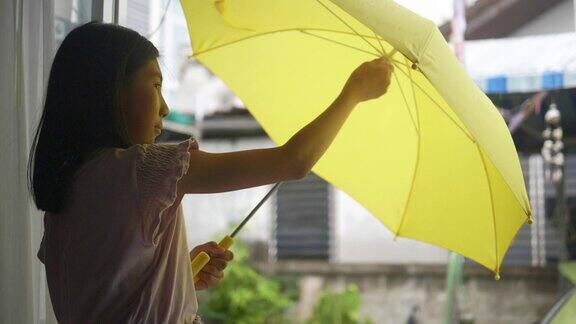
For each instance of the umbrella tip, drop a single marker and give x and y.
(497, 276)
(529, 221)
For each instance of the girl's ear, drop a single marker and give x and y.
(123, 101)
(123, 94)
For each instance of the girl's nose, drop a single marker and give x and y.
(165, 113)
(164, 108)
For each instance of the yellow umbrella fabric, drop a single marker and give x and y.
(432, 159)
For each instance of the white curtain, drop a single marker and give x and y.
(26, 51)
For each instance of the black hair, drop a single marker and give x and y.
(82, 112)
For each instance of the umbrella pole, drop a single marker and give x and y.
(203, 258)
(453, 279)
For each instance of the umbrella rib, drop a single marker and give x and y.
(331, 40)
(497, 270)
(379, 42)
(405, 101)
(417, 163)
(305, 31)
(469, 137)
(293, 29)
(347, 25)
(442, 109)
(413, 95)
(397, 81)
(242, 39)
(414, 174)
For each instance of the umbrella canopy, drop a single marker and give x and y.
(432, 159)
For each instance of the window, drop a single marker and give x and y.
(303, 221)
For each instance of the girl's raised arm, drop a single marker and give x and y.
(220, 172)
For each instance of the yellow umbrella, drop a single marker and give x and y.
(432, 159)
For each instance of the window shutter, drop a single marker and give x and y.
(303, 211)
(521, 250)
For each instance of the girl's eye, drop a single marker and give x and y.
(158, 85)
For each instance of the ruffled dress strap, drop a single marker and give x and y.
(158, 169)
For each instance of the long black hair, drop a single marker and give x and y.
(82, 112)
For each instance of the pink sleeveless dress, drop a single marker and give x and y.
(118, 253)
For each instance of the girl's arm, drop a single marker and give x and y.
(219, 172)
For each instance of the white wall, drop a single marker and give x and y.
(559, 19)
(209, 216)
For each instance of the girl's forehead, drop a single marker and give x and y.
(152, 69)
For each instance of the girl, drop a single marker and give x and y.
(114, 243)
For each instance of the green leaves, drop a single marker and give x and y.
(244, 295)
(338, 308)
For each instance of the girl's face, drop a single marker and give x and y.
(143, 105)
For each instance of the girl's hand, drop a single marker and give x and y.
(213, 271)
(368, 81)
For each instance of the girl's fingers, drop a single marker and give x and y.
(209, 279)
(200, 285)
(214, 251)
(222, 254)
(212, 281)
(212, 270)
(220, 264)
(208, 247)
(213, 248)
(206, 281)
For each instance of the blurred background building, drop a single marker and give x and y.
(522, 53)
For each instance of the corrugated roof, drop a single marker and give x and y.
(499, 18)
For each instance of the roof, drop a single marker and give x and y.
(498, 18)
(523, 64)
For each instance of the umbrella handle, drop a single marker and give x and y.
(203, 258)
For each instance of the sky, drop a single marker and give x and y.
(438, 11)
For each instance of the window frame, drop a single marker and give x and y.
(105, 10)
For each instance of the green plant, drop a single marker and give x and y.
(338, 308)
(244, 295)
